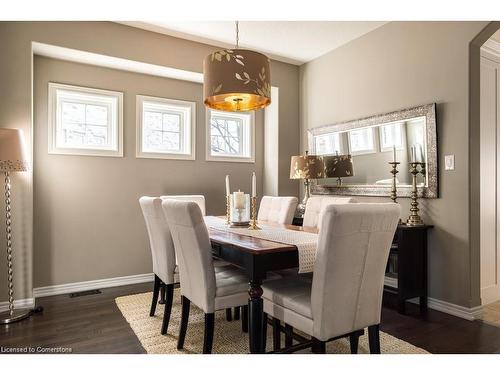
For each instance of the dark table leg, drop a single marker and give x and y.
(256, 312)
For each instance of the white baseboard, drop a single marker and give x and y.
(433, 303)
(27, 303)
(92, 284)
(469, 313)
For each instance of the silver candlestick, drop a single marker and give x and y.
(414, 219)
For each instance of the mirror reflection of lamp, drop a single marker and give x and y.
(339, 166)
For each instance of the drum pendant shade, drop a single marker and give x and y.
(236, 80)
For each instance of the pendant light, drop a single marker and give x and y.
(236, 79)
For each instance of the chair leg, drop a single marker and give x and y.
(156, 291)
(264, 331)
(186, 303)
(354, 341)
(237, 313)
(276, 334)
(244, 319)
(162, 294)
(318, 346)
(169, 297)
(374, 339)
(208, 337)
(229, 315)
(288, 335)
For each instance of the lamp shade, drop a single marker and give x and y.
(338, 166)
(236, 80)
(13, 155)
(307, 166)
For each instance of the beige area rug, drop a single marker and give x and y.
(228, 337)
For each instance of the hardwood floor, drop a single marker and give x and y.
(87, 324)
(93, 324)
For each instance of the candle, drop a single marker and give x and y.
(413, 154)
(394, 153)
(228, 190)
(239, 200)
(254, 185)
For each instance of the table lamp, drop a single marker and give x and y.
(306, 167)
(12, 159)
(338, 166)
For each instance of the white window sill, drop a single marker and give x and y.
(154, 155)
(230, 159)
(86, 152)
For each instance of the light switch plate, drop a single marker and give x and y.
(449, 162)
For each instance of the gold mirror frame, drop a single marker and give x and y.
(430, 190)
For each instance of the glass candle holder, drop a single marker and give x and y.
(240, 210)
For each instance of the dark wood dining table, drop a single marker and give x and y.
(257, 257)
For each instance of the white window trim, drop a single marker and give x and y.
(52, 122)
(363, 152)
(191, 109)
(225, 158)
(402, 136)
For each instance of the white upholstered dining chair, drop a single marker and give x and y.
(278, 210)
(163, 254)
(200, 284)
(345, 295)
(316, 204)
(198, 199)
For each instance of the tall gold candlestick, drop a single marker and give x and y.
(414, 219)
(228, 209)
(394, 171)
(253, 224)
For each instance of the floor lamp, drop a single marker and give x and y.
(12, 159)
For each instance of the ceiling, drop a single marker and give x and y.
(294, 42)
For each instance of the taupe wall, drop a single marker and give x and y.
(400, 65)
(88, 223)
(16, 111)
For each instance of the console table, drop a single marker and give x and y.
(406, 272)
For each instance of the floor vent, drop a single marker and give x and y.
(85, 293)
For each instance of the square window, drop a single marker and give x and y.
(327, 144)
(165, 128)
(361, 141)
(230, 136)
(391, 135)
(85, 121)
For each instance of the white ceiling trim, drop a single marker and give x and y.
(83, 57)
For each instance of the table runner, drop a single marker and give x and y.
(306, 242)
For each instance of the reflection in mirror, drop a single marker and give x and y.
(373, 147)
(371, 144)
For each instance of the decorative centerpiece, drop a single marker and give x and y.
(240, 209)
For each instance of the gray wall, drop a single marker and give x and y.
(400, 65)
(16, 111)
(88, 224)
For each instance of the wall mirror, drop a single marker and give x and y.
(372, 143)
